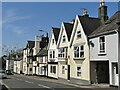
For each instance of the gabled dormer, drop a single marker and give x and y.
(65, 34)
(52, 48)
(54, 37)
(83, 27)
(64, 39)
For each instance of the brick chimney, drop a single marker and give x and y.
(102, 12)
(85, 13)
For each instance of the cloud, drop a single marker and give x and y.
(16, 29)
(10, 17)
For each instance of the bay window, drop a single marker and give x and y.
(62, 52)
(52, 54)
(79, 51)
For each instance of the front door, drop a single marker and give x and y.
(103, 72)
(114, 74)
(68, 72)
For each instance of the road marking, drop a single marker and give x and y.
(29, 82)
(44, 86)
(19, 79)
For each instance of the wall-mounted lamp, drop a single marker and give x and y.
(91, 43)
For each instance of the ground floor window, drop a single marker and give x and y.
(79, 71)
(63, 69)
(30, 69)
(52, 69)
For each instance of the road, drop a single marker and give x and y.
(18, 82)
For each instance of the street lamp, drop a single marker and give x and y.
(47, 45)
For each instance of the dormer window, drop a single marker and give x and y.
(64, 39)
(102, 44)
(52, 41)
(78, 34)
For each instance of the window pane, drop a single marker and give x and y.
(78, 34)
(53, 54)
(102, 44)
(63, 38)
(78, 71)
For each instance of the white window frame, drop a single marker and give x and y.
(79, 51)
(79, 72)
(62, 52)
(76, 51)
(52, 54)
(102, 49)
(53, 41)
(53, 69)
(64, 39)
(78, 34)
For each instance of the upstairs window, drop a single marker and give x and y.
(78, 34)
(64, 39)
(76, 51)
(79, 51)
(82, 51)
(102, 44)
(62, 52)
(53, 41)
(52, 54)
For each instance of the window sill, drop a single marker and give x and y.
(102, 54)
(61, 58)
(83, 58)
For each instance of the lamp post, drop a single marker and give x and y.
(47, 49)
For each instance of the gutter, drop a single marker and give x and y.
(103, 33)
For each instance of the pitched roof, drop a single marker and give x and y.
(42, 52)
(44, 42)
(68, 28)
(56, 32)
(89, 24)
(30, 44)
(109, 25)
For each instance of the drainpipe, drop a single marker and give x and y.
(118, 58)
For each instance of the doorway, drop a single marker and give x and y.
(102, 71)
(68, 72)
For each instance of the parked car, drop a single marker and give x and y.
(3, 74)
(8, 72)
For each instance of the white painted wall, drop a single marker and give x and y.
(83, 63)
(111, 51)
(53, 47)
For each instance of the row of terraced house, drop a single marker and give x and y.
(84, 50)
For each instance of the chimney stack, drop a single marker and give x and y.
(102, 12)
(85, 12)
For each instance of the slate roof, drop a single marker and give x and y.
(68, 28)
(89, 24)
(43, 43)
(43, 52)
(109, 25)
(56, 32)
(30, 44)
